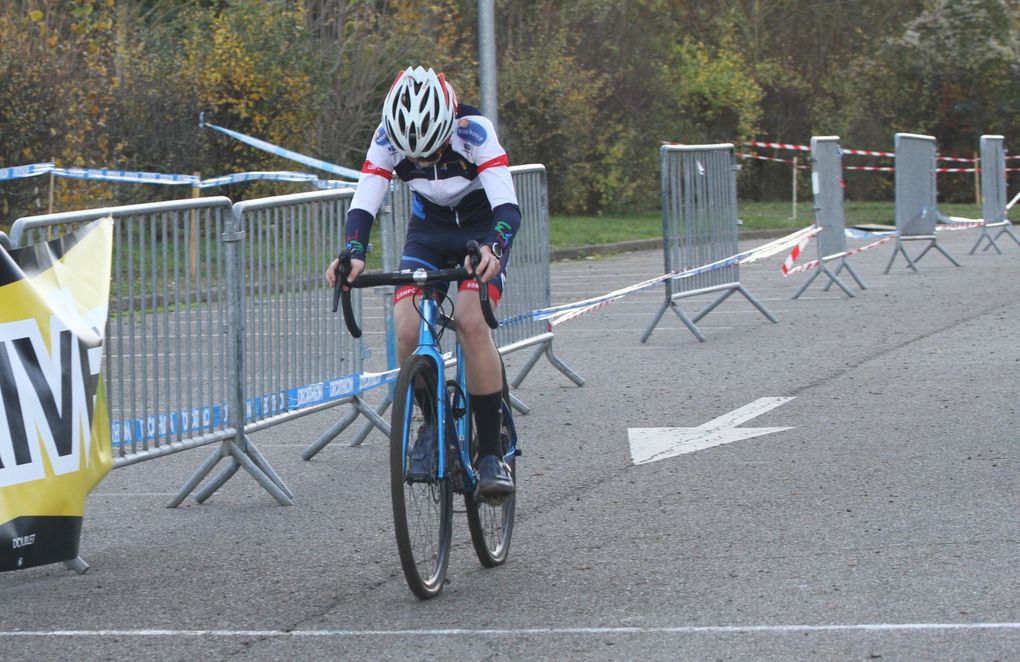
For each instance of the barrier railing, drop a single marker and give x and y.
(294, 359)
(170, 358)
(5, 241)
(699, 227)
(993, 193)
(916, 197)
(827, 189)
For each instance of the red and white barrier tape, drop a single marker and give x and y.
(765, 158)
(871, 168)
(559, 314)
(859, 152)
(801, 148)
(795, 253)
(815, 263)
(955, 223)
(781, 244)
(867, 152)
(800, 164)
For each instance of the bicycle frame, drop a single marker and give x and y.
(428, 346)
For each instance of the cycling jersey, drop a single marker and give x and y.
(469, 186)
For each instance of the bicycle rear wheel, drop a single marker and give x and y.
(492, 522)
(422, 502)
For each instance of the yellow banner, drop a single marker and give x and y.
(54, 428)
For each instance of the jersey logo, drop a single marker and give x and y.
(381, 138)
(471, 132)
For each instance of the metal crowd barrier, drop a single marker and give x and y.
(827, 189)
(916, 197)
(528, 283)
(5, 241)
(170, 356)
(699, 227)
(993, 193)
(218, 309)
(295, 358)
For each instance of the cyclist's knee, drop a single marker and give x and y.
(471, 326)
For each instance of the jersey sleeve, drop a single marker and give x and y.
(376, 173)
(488, 155)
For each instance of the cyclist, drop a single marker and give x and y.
(450, 157)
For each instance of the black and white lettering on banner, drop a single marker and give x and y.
(54, 429)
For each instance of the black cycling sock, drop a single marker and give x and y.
(486, 409)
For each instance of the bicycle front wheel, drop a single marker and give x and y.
(422, 502)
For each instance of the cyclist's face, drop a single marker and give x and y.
(431, 158)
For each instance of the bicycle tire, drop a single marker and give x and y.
(422, 508)
(492, 523)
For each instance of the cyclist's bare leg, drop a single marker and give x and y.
(407, 323)
(484, 373)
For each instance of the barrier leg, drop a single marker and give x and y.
(546, 349)
(260, 461)
(899, 249)
(77, 564)
(198, 476)
(265, 481)
(561, 366)
(925, 251)
(516, 403)
(833, 278)
(655, 321)
(329, 435)
(828, 286)
(375, 419)
(218, 481)
(991, 242)
(247, 456)
(691, 326)
(806, 284)
(943, 251)
(757, 304)
(1006, 230)
(712, 306)
(853, 274)
(528, 365)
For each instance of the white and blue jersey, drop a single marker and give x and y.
(468, 188)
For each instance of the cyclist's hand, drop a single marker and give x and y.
(357, 266)
(488, 267)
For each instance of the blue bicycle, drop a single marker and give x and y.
(422, 486)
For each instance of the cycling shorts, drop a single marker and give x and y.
(432, 247)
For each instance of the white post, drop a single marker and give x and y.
(794, 216)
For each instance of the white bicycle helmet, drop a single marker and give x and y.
(419, 112)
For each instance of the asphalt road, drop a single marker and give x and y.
(881, 525)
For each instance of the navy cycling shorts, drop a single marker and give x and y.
(431, 246)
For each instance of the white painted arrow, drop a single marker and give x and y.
(651, 444)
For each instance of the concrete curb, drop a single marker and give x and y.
(581, 252)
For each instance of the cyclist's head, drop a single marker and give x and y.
(419, 112)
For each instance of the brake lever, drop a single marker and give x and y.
(475, 255)
(343, 270)
(344, 294)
